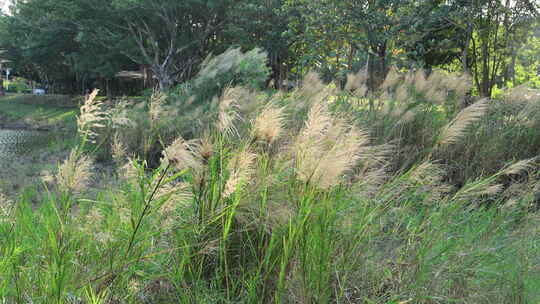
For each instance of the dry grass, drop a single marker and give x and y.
(74, 173)
(268, 126)
(92, 117)
(456, 129)
(182, 154)
(348, 206)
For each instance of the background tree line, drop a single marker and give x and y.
(74, 45)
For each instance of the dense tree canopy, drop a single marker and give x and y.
(70, 46)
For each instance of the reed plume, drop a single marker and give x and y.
(477, 189)
(340, 159)
(420, 81)
(318, 121)
(205, 147)
(402, 94)
(183, 154)
(520, 167)
(228, 111)
(175, 196)
(460, 85)
(356, 81)
(428, 178)
(428, 173)
(369, 181)
(327, 148)
(6, 209)
(92, 117)
(392, 78)
(240, 168)
(118, 150)
(74, 173)
(157, 109)
(268, 126)
(311, 85)
(456, 129)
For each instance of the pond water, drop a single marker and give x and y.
(15, 143)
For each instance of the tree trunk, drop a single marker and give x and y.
(465, 53)
(148, 78)
(350, 59)
(164, 78)
(486, 83)
(377, 68)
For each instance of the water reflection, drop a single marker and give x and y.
(14, 143)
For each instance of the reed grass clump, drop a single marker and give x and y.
(314, 196)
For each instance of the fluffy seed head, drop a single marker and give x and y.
(240, 168)
(205, 148)
(356, 81)
(118, 150)
(327, 148)
(457, 128)
(92, 117)
(370, 181)
(157, 106)
(182, 155)
(402, 94)
(175, 195)
(318, 121)
(228, 114)
(391, 79)
(311, 85)
(491, 190)
(6, 208)
(340, 159)
(268, 126)
(74, 173)
(420, 81)
(520, 166)
(470, 192)
(428, 173)
(461, 85)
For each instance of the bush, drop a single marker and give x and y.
(17, 85)
(230, 69)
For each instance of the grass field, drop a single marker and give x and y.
(33, 109)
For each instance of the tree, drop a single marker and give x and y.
(38, 42)
(493, 30)
(430, 39)
(168, 35)
(341, 28)
(49, 41)
(263, 24)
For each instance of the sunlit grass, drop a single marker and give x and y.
(24, 106)
(282, 199)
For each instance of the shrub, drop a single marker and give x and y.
(17, 85)
(230, 69)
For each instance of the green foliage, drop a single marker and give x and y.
(17, 85)
(47, 110)
(251, 210)
(232, 68)
(528, 65)
(85, 44)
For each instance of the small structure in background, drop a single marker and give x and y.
(2, 62)
(38, 92)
